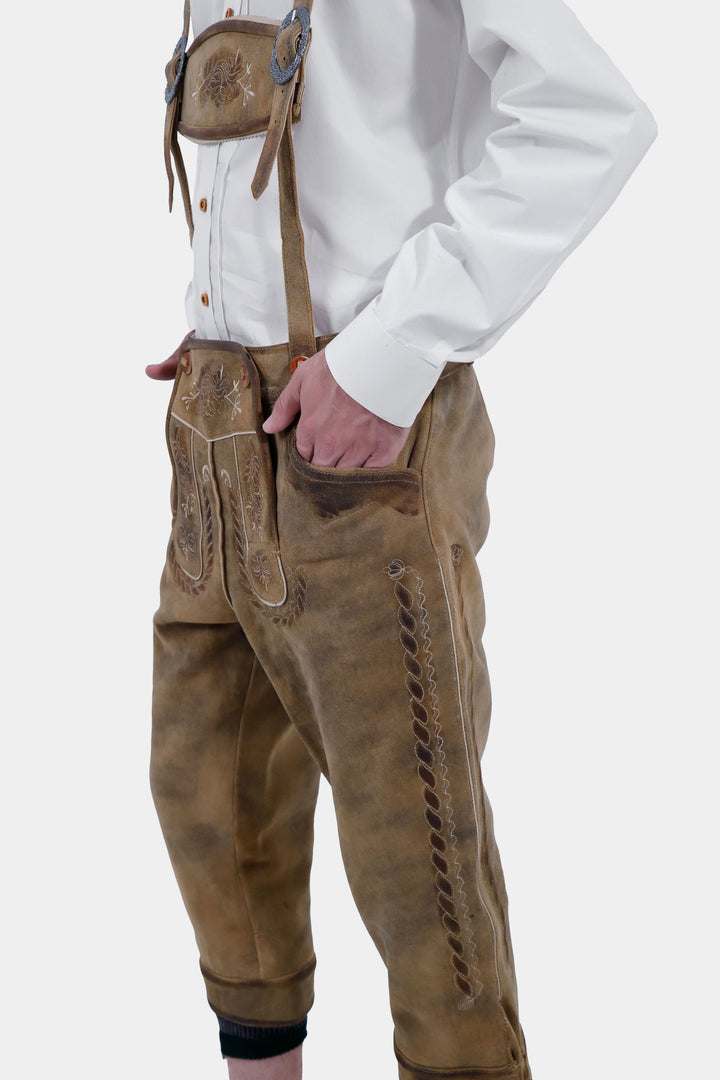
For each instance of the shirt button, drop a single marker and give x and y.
(204, 299)
(203, 205)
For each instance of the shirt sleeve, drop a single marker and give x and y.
(571, 131)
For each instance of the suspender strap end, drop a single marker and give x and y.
(171, 148)
(283, 99)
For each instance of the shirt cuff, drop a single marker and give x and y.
(389, 379)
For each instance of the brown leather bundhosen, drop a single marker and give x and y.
(328, 621)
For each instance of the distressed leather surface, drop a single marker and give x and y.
(329, 621)
(227, 89)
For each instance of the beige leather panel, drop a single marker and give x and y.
(227, 90)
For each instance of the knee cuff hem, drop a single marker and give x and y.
(277, 1001)
(410, 1070)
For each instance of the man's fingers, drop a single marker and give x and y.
(165, 370)
(286, 407)
(353, 459)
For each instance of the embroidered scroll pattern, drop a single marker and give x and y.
(192, 532)
(261, 568)
(456, 554)
(213, 394)
(224, 78)
(432, 770)
(254, 505)
(294, 605)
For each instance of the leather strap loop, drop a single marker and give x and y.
(171, 146)
(282, 99)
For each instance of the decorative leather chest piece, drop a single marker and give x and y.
(242, 77)
(227, 88)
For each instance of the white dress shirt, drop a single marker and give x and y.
(451, 154)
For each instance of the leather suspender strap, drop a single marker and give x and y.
(279, 144)
(286, 94)
(301, 333)
(171, 146)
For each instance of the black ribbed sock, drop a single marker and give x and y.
(246, 1041)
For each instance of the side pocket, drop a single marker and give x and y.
(334, 491)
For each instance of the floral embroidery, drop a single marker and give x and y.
(187, 504)
(180, 456)
(186, 540)
(224, 78)
(292, 609)
(186, 584)
(213, 394)
(254, 505)
(192, 536)
(260, 568)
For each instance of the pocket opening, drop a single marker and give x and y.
(340, 474)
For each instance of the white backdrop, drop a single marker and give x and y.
(600, 574)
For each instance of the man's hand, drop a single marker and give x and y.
(333, 429)
(167, 369)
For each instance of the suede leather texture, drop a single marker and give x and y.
(226, 89)
(329, 621)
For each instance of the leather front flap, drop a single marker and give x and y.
(227, 87)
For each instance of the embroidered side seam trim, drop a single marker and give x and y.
(452, 900)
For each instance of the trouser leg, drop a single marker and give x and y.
(393, 619)
(233, 783)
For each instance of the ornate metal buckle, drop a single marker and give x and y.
(276, 71)
(171, 91)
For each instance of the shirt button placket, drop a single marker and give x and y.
(202, 241)
(225, 151)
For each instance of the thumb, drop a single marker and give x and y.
(286, 407)
(167, 369)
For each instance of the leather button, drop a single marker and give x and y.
(203, 205)
(204, 299)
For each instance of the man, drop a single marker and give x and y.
(321, 610)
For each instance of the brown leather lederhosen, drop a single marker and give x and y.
(319, 621)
